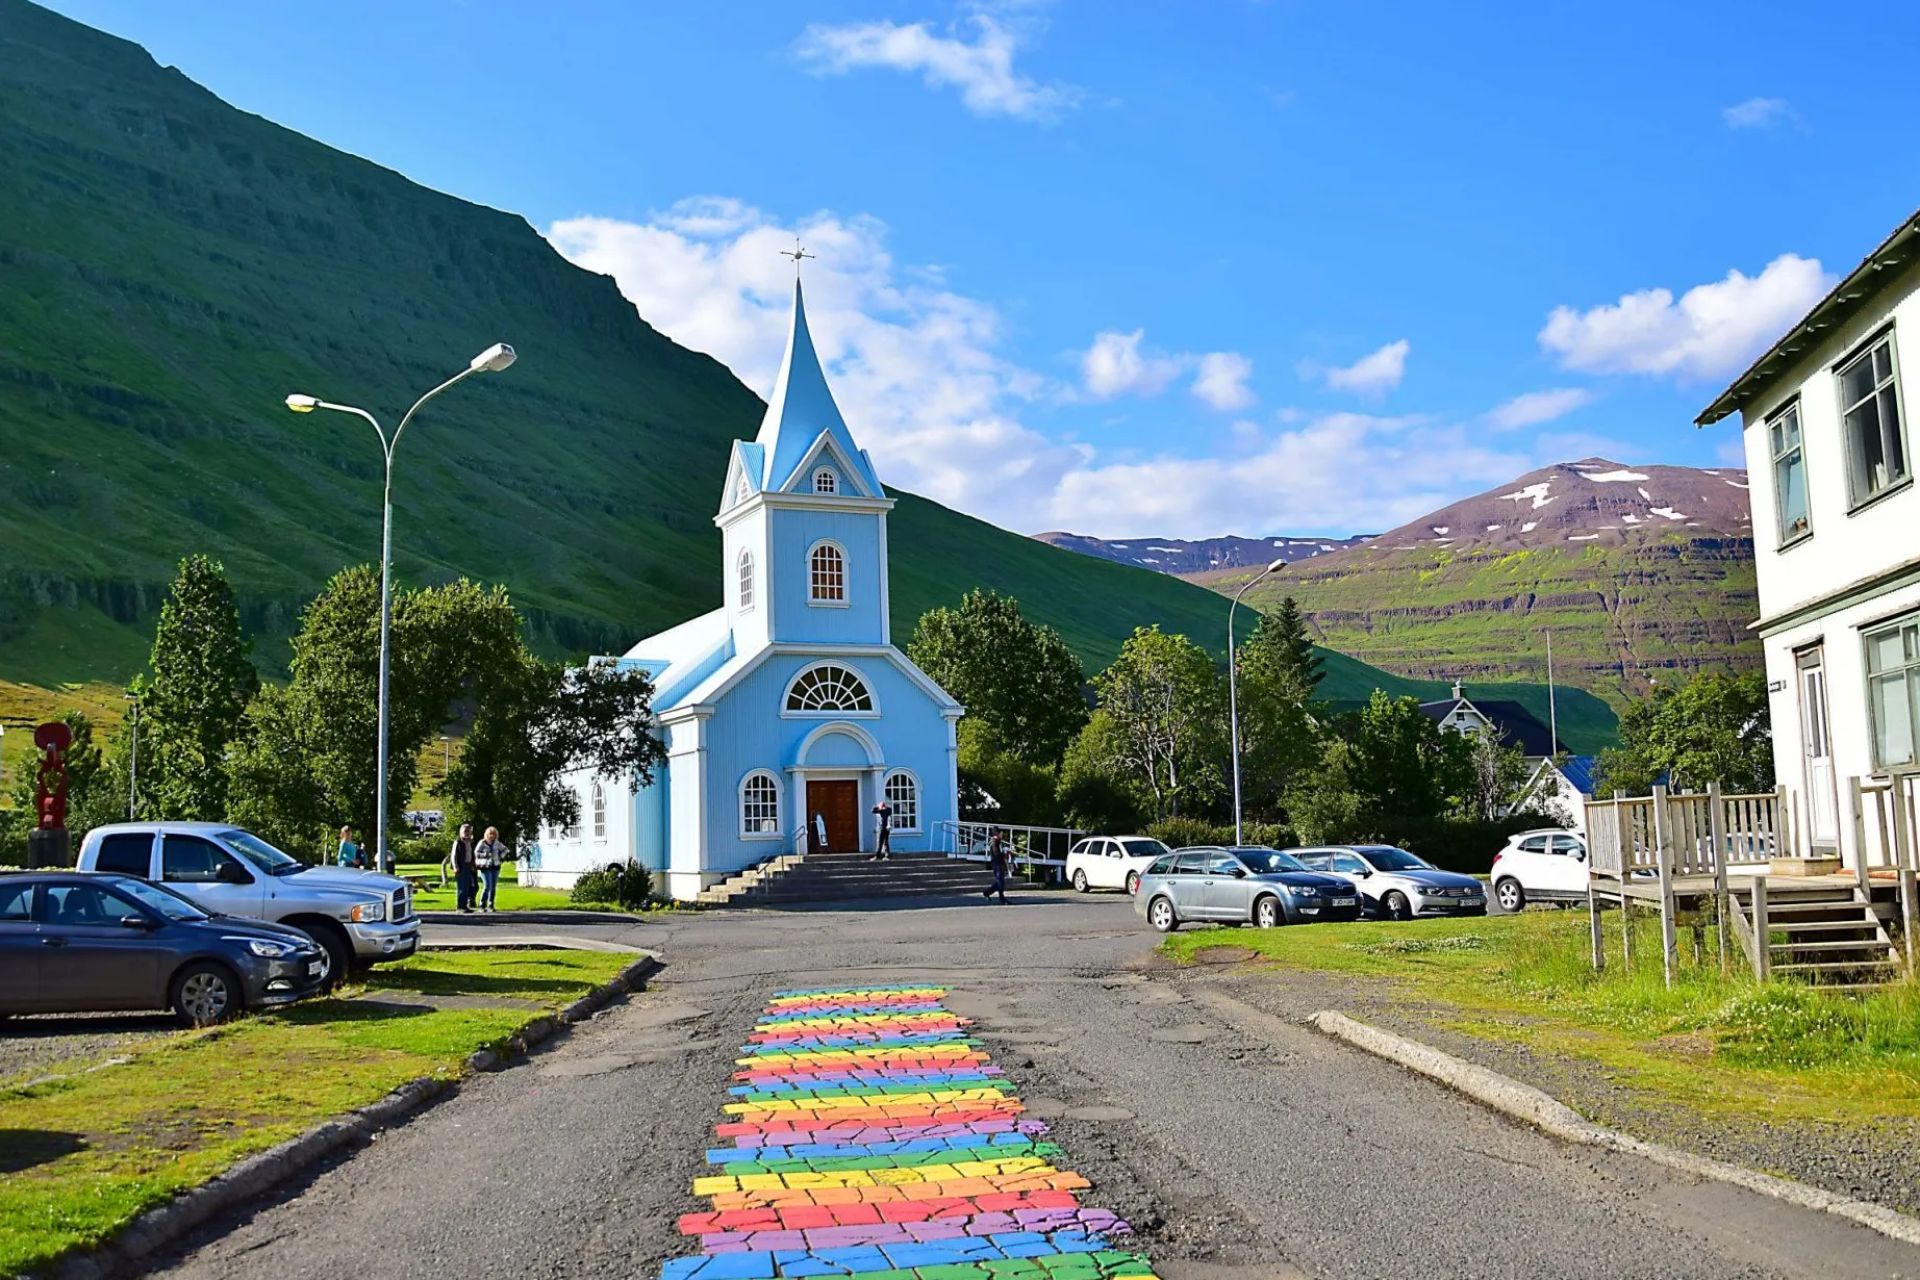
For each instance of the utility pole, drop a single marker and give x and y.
(1553, 713)
(133, 762)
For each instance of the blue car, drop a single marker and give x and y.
(1242, 884)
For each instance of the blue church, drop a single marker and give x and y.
(787, 713)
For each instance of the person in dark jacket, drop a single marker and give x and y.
(883, 847)
(998, 856)
(465, 878)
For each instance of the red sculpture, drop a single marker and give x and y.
(50, 786)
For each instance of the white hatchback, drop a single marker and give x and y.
(1111, 862)
(1548, 865)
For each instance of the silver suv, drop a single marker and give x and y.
(360, 917)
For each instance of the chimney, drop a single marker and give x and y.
(1457, 695)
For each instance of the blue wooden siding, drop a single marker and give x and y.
(858, 533)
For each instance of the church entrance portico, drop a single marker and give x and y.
(834, 803)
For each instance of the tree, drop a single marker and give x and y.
(1495, 774)
(1093, 795)
(1279, 737)
(1280, 643)
(1165, 701)
(1018, 677)
(192, 702)
(1714, 728)
(1404, 766)
(1022, 793)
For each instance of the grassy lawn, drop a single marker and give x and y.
(510, 897)
(83, 1155)
(1718, 1045)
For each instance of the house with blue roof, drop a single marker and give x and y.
(788, 714)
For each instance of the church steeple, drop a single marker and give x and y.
(801, 410)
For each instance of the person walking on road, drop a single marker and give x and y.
(488, 857)
(998, 856)
(349, 854)
(883, 845)
(461, 856)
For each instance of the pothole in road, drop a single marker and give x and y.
(1192, 1033)
(597, 1065)
(663, 1015)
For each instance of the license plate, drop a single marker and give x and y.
(1343, 902)
(315, 968)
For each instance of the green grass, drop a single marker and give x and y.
(510, 896)
(1714, 1044)
(84, 1155)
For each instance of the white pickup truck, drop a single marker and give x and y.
(359, 917)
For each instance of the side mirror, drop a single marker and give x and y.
(1365, 872)
(1239, 873)
(232, 873)
(137, 922)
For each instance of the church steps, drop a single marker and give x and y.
(831, 877)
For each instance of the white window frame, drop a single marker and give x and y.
(1909, 677)
(1865, 351)
(886, 786)
(740, 807)
(597, 806)
(744, 584)
(1780, 452)
(872, 710)
(814, 598)
(826, 480)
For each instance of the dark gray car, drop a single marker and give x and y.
(73, 942)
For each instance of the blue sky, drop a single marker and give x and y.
(1131, 269)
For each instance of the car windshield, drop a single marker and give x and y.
(154, 898)
(1388, 858)
(260, 853)
(1264, 861)
(1141, 847)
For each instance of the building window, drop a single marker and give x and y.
(829, 687)
(827, 574)
(1893, 690)
(571, 831)
(1789, 475)
(746, 581)
(743, 490)
(825, 481)
(1870, 417)
(903, 793)
(599, 806)
(760, 804)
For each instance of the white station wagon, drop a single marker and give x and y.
(1111, 862)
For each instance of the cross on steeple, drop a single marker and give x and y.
(796, 253)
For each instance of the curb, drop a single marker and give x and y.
(536, 916)
(1524, 1102)
(259, 1174)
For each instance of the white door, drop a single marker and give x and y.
(1822, 805)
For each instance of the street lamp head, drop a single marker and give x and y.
(302, 404)
(493, 359)
(1276, 566)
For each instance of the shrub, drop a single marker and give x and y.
(1184, 832)
(623, 884)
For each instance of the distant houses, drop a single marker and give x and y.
(1511, 724)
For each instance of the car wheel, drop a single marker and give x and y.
(1396, 907)
(205, 993)
(1160, 915)
(1267, 913)
(1509, 894)
(331, 939)
(1080, 882)
(1133, 882)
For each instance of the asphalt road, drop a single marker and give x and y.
(1238, 1143)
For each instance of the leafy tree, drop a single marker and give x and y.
(1022, 793)
(1714, 728)
(1322, 805)
(1018, 677)
(1093, 796)
(1496, 773)
(192, 702)
(1403, 765)
(1279, 736)
(1167, 705)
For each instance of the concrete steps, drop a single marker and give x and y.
(837, 877)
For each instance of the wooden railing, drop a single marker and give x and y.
(1893, 800)
(1701, 832)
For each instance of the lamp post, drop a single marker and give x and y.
(133, 758)
(492, 360)
(1233, 694)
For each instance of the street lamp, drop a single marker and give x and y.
(1233, 693)
(492, 360)
(133, 758)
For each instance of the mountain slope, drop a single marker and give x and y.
(1183, 556)
(1640, 573)
(173, 267)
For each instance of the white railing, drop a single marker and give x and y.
(1031, 846)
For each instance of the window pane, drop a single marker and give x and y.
(1885, 651)
(1892, 719)
(187, 860)
(16, 901)
(126, 854)
(1863, 445)
(1883, 362)
(1790, 485)
(75, 905)
(1856, 382)
(1891, 445)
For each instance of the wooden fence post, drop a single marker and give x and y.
(1859, 838)
(1762, 948)
(1622, 838)
(1717, 833)
(1903, 841)
(1663, 859)
(1593, 924)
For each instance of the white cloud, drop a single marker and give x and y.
(1222, 380)
(1116, 365)
(1536, 407)
(1370, 375)
(982, 70)
(1759, 113)
(1711, 332)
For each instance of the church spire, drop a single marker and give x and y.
(801, 407)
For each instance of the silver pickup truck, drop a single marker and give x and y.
(359, 917)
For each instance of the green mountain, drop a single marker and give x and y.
(171, 268)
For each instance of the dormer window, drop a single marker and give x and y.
(825, 481)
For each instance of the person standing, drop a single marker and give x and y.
(461, 856)
(349, 854)
(998, 856)
(488, 857)
(883, 846)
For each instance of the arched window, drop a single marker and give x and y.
(903, 793)
(760, 804)
(599, 807)
(827, 574)
(746, 580)
(825, 481)
(829, 687)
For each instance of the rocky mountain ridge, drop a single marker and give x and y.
(1187, 556)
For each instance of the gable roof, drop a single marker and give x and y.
(801, 408)
(1515, 725)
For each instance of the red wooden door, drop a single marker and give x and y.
(839, 804)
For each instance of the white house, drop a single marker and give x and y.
(1836, 523)
(787, 713)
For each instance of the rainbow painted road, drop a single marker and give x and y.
(871, 1136)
